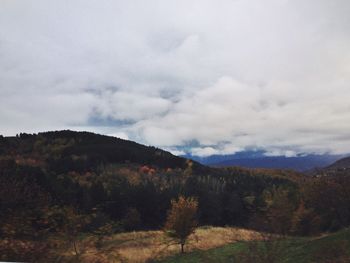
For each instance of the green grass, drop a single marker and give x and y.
(222, 254)
(329, 248)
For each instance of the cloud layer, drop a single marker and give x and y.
(211, 77)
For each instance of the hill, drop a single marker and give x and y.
(87, 170)
(91, 149)
(341, 164)
(338, 168)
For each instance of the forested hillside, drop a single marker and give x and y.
(340, 167)
(67, 183)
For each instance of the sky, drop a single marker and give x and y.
(201, 77)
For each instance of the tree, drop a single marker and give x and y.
(71, 225)
(305, 221)
(181, 221)
(132, 219)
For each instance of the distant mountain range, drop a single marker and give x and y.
(257, 159)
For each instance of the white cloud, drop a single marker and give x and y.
(205, 151)
(122, 105)
(278, 152)
(227, 74)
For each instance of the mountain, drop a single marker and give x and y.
(257, 159)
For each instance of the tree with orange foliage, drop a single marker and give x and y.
(181, 221)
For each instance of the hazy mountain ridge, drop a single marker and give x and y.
(257, 159)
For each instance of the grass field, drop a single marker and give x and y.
(330, 248)
(145, 246)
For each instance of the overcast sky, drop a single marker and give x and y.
(212, 77)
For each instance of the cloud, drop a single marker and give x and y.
(204, 151)
(230, 75)
(122, 105)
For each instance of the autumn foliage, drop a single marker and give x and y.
(181, 221)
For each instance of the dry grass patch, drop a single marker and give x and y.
(206, 238)
(143, 246)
